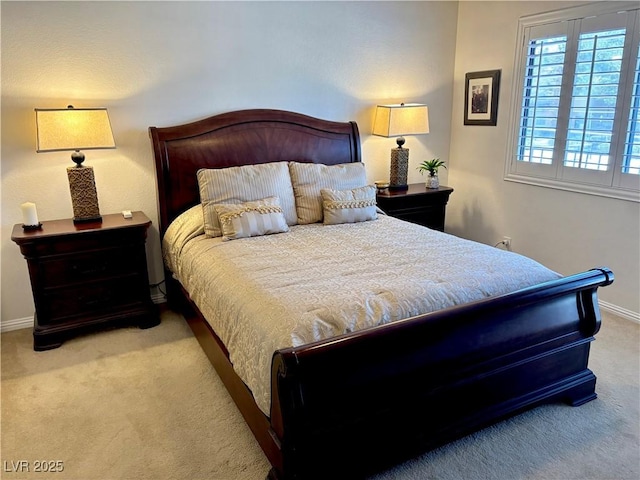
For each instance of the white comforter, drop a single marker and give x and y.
(265, 293)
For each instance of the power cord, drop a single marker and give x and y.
(157, 285)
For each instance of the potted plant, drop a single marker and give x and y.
(432, 167)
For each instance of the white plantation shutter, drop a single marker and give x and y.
(593, 100)
(576, 110)
(631, 155)
(541, 99)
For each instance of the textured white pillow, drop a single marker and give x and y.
(185, 227)
(349, 206)
(309, 178)
(244, 184)
(251, 219)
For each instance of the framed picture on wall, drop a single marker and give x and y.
(481, 91)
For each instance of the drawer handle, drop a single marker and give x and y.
(84, 270)
(94, 301)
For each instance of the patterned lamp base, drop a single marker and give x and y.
(83, 194)
(399, 169)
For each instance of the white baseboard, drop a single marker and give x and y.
(158, 298)
(27, 322)
(16, 324)
(619, 311)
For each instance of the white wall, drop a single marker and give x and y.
(164, 63)
(566, 231)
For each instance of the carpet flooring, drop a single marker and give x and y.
(146, 404)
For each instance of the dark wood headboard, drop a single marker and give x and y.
(243, 137)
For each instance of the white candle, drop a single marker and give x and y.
(29, 214)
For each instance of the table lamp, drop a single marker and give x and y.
(60, 129)
(396, 121)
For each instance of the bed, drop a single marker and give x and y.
(347, 402)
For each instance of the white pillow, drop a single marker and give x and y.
(349, 206)
(185, 227)
(244, 184)
(251, 219)
(309, 178)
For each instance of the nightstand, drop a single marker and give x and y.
(87, 276)
(417, 204)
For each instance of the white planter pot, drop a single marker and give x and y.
(433, 181)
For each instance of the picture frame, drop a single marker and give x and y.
(481, 92)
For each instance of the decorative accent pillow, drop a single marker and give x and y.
(309, 178)
(251, 219)
(349, 206)
(244, 184)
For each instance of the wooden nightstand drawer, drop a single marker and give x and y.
(81, 241)
(408, 202)
(90, 299)
(83, 267)
(432, 217)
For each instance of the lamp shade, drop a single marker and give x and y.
(73, 129)
(401, 119)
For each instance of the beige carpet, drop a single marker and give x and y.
(138, 404)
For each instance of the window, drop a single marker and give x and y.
(576, 105)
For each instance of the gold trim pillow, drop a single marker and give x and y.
(247, 183)
(309, 178)
(349, 206)
(251, 219)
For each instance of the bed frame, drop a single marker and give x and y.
(409, 386)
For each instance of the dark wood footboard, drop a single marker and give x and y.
(366, 400)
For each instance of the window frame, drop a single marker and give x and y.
(622, 186)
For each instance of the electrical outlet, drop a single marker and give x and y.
(506, 241)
